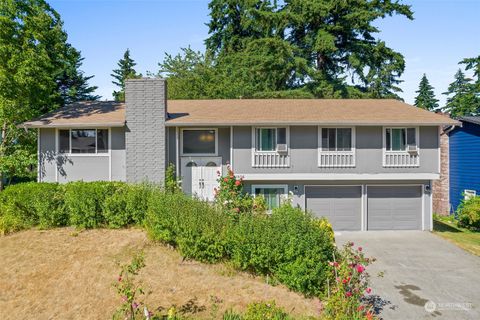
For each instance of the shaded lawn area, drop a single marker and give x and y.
(64, 274)
(464, 238)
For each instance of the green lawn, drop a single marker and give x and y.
(464, 238)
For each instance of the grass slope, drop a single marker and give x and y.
(465, 239)
(64, 274)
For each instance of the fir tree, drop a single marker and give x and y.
(125, 71)
(462, 99)
(426, 96)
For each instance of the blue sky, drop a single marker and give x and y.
(443, 33)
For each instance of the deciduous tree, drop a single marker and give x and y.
(38, 73)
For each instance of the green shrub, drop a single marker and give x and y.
(85, 202)
(26, 205)
(288, 244)
(265, 311)
(127, 206)
(469, 213)
(195, 227)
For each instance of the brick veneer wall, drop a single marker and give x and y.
(145, 108)
(441, 187)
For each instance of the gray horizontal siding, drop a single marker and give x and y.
(66, 168)
(304, 152)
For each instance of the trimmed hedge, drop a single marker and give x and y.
(78, 204)
(288, 245)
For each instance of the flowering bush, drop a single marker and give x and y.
(231, 197)
(326, 226)
(346, 297)
(130, 292)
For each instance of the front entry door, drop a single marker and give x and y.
(199, 176)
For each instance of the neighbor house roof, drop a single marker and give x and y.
(83, 114)
(252, 111)
(471, 119)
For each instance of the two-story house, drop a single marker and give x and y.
(364, 164)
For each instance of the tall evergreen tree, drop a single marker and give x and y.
(336, 38)
(426, 96)
(462, 99)
(37, 65)
(73, 85)
(125, 71)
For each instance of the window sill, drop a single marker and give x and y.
(198, 155)
(107, 154)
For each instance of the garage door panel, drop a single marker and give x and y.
(341, 205)
(394, 207)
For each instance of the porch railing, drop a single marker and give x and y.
(336, 159)
(270, 160)
(401, 159)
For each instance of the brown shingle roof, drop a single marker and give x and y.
(83, 114)
(300, 111)
(252, 111)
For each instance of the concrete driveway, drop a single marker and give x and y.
(424, 276)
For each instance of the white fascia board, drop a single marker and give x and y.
(302, 123)
(337, 176)
(75, 125)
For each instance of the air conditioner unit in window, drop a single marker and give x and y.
(412, 149)
(282, 147)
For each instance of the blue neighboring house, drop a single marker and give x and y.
(464, 160)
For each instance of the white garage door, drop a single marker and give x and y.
(341, 205)
(394, 207)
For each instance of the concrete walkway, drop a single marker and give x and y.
(419, 275)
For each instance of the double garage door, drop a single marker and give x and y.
(386, 207)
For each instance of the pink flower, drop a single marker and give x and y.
(237, 183)
(368, 290)
(135, 305)
(348, 294)
(225, 179)
(344, 281)
(335, 264)
(360, 268)
(360, 249)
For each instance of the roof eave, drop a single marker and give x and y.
(309, 123)
(30, 125)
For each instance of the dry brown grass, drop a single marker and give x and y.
(64, 274)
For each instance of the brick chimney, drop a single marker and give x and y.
(145, 103)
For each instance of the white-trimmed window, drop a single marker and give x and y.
(400, 139)
(273, 194)
(270, 139)
(199, 141)
(83, 141)
(336, 139)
